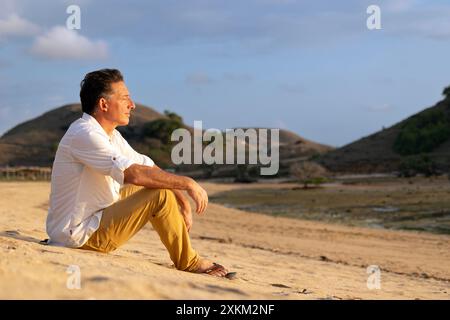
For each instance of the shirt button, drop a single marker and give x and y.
(114, 158)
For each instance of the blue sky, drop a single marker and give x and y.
(312, 67)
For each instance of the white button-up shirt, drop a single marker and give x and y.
(86, 178)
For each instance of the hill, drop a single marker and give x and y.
(34, 142)
(419, 143)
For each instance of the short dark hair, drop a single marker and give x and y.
(96, 85)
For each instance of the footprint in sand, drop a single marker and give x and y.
(331, 298)
(45, 251)
(304, 291)
(214, 288)
(280, 285)
(12, 232)
(163, 264)
(98, 279)
(134, 251)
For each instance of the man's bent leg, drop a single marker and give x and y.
(125, 218)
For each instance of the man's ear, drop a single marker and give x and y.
(103, 104)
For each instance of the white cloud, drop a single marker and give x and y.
(399, 5)
(438, 28)
(198, 78)
(292, 88)
(15, 26)
(8, 7)
(237, 77)
(62, 43)
(414, 19)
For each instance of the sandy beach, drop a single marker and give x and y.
(275, 257)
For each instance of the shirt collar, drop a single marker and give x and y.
(94, 121)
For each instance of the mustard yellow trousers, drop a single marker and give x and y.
(137, 206)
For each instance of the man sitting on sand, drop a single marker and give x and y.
(103, 191)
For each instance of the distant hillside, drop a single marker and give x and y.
(292, 148)
(425, 135)
(34, 142)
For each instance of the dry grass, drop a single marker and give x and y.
(408, 204)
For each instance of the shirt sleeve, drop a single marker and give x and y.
(130, 153)
(95, 151)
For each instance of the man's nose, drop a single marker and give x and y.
(132, 105)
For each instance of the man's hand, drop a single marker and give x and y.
(199, 195)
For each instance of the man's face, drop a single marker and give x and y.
(119, 104)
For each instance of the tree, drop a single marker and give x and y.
(173, 116)
(245, 173)
(162, 128)
(309, 172)
(423, 133)
(446, 92)
(410, 166)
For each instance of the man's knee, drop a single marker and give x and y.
(166, 197)
(161, 198)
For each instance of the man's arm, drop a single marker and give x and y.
(181, 198)
(154, 177)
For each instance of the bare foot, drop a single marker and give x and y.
(206, 265)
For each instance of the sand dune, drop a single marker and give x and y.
(276, 258)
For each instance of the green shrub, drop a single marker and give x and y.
(423, 133)
(421, 164)
(307, 173)
(446, 92)
(162, 128)
(173, 116)
(157, 135)
(315, 157)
